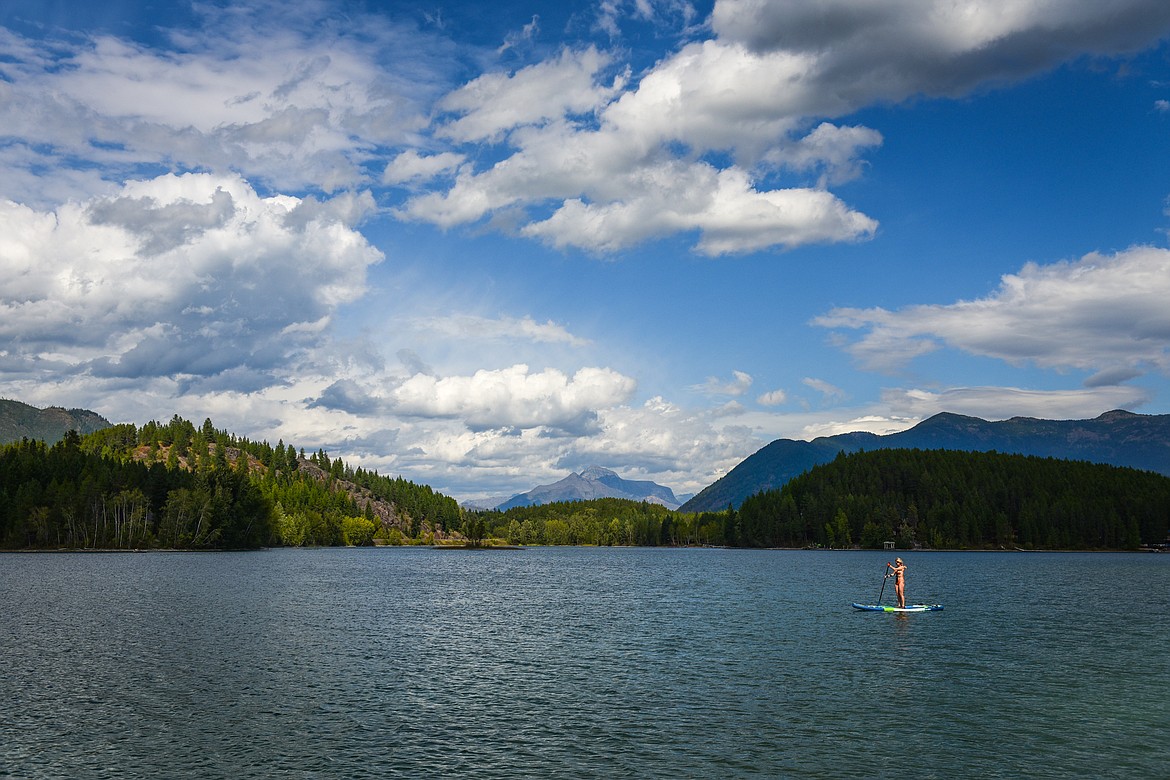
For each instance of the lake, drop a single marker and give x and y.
(581, 662)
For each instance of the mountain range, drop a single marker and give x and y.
(21, 421)
(593, 482)
(1118, 438)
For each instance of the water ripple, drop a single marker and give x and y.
(578, 663)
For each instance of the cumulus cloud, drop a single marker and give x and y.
(410, 165)
(654, 440)
(865, 52)
(730, 214)
(662, 440)
(179, 275)
(1106, 314)
(832, 150)
(614, 182)
(640, 165)
(705, 141)
(299, 105)
(495, 103)
(514, 397)
(346, 395)
(164, 226)
(213, 292)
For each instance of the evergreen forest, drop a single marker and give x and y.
(177, 486)
(959, 500)
(940, 499)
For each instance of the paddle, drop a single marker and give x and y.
(885, 577)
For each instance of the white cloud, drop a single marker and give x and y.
(739, 384)
(835, 151)
(495, 103)
(641, 168)
(298, 104)
(465, 327)
(904, 407)
(666, 443)
(514, 397)
(221, 300)
(631, 200)
(772, 398)
(999, 403)
(714, 96)
(321, 103)
(179, 275)
(732, 408)
(880, 424)
(614, 183)
(1103, 313)
(655, 440)
(729, 213)
(410, 165)
(663, 13)
(526, 34)
(829, 391)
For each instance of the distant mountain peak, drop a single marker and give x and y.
(594, 482)
(596, 473)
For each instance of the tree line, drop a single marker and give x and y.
(599, 521)
(67, 497)
(175, 485)
(937, 499)
(959, 500)
(179, 486)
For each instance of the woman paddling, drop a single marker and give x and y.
(898, 572)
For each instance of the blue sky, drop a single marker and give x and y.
(482, 246)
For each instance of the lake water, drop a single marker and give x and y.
(570, 662)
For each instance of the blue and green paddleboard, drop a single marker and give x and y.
(907, 608)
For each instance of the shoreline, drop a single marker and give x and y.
(88, 550)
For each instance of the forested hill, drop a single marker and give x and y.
(1119, 438)
(952, 499)
(21, 421)
(177, 486)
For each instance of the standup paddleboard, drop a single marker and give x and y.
(907, 608)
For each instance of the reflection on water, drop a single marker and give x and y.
(579, 663)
